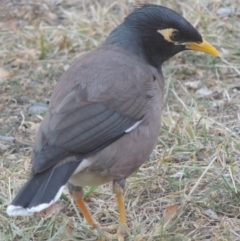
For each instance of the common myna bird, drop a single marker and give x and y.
(104, 115)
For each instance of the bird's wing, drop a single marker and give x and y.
(103, 103)
(82, 128)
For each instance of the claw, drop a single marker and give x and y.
(120, 235)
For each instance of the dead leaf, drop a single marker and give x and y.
(193, 84)
(201, 107)
(211, 214)
(214, 195)
(179, 174)
(4, 74)
(225, 11)
(204, 91)
(66, 67)
(12, 119)
(17, 63)
(3, 147)
(69, 228)
(8, 139)
(37, 108)
(170, 212)
(168, 159)
(29, 54)
(54, 208)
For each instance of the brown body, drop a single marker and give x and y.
(94, 78)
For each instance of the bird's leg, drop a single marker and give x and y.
(77, 194)
(118, 189)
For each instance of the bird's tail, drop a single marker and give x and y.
(42, 190)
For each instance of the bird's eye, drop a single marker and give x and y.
(175, 36)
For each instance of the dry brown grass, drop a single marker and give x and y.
(189, 190)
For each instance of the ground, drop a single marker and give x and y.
(190, 187)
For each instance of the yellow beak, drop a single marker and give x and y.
(203, 47)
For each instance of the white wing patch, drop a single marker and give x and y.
(83, 165)
(133, 127)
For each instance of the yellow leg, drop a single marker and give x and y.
(77, 194)
(118, 190)
(82, 206)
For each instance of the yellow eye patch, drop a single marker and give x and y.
(169, 34)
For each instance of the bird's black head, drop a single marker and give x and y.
(158, 33)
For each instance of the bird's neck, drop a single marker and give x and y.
(132, 41)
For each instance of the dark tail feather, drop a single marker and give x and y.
(42, 189)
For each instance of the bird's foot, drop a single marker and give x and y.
(121, 231)
(106, 232)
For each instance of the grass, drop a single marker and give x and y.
(194, 170)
